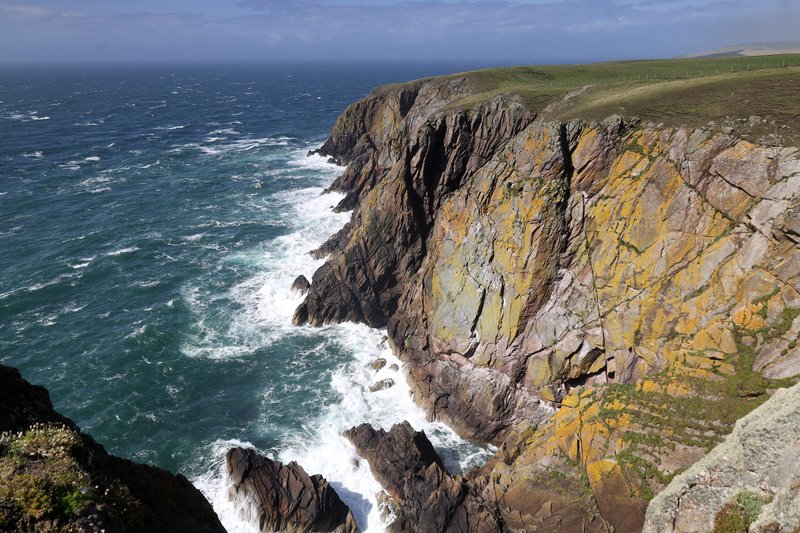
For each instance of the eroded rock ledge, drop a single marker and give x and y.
(601, 300)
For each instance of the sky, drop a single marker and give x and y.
(500, 31)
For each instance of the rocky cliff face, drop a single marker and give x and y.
(602, 300)
(55, 478)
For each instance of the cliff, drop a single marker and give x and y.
(602, 299)
(56, 478)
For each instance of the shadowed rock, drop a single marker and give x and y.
(301, 284)
(395, 454)
(424, 497)
(278, 497)
(300, 316)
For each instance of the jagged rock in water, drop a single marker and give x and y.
(752, 472)
(394, 454)
(43, 453)
(278, 497)
(378, 363)
(423, 496)
(387, 383)
(301, 284)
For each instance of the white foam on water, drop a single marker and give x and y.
(224, 131)
(120, 251)
(314, 162)
(266, 306)
(38, 154)
(213, 483)
(80, 265)
(323, 450)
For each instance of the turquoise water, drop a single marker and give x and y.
(152, 220)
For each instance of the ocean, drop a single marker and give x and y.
(152, 220)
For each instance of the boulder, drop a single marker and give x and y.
(378, 363)
(387, 383)
(278, 497)
(301, 284)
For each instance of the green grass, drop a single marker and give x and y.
(738, 515)
(675, 92)
(42, 482)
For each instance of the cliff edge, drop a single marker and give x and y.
(56, 478)
(601, 298)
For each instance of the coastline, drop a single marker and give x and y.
(321, 439)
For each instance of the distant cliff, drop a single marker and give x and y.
(55, 478)
(602, 299)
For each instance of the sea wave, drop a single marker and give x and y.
(266, 305)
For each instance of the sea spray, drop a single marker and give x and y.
(267, 304)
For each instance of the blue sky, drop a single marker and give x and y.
(503, 31)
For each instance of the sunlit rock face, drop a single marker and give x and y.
(603, 300)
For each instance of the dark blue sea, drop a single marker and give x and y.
(152, 220)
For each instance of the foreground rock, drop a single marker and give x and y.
(278, 497)
(423, 496)
(752, 473)
(53, 477)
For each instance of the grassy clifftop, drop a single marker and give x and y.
(675, 92)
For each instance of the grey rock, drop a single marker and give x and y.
(759, 457)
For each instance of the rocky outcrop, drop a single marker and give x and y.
(600, 299)
(278, 497)
(301, 284)
(754, 469)
(56, 478)
(423, 496)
